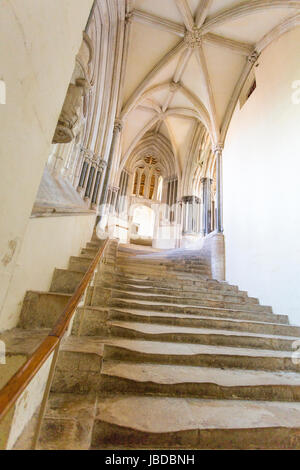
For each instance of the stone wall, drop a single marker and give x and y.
(39, 41)
(261, 182)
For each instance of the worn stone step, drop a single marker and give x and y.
(216, 312)
(179, 300)
(79, 365)
(178, 319)
(164, 273)
(144, 280)
(68, 422)
(156, 271)
(87, 255)
(119, 349)
(202, 382)
(42, 309)
(91, 321)
(79, 263)
(156, 266)
(192, 423)
(194, 335)
(90, 252)
(65, 280)
(163, 255)
(93, 245)
(207, 294)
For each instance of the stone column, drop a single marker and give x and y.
(122, 180)
(219, 196)
(172, 192)
(96, 188)
(113, 201)
(92, 181)
(85, 172)
(114, 145)
(147, 185)
(206, 198)
(138, 184)
(78, 168)
(100, 174)
(186, 214)
(155, 188)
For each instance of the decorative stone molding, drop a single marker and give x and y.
(193, 38)
(84, 58)
(73, 108)
(252, 58)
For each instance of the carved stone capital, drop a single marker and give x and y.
(118, 125)
(190, 200)
(218, 148)
(206, 180)
(129, 18)
(193, 39)
(102, 164)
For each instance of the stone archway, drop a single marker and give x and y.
(142, 224)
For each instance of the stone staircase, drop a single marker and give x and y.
(161, 356)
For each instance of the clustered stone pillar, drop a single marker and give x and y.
(114, 144)
(90, 177)
(219, 193)
(113, 199)
(124, 181)
(207, 206)
(190, 214)
(171, 198)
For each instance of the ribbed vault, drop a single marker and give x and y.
(187, 63)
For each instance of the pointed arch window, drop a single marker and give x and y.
(152, 186)
(135, 182)
(142, 184)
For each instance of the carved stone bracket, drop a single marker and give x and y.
(72, 112)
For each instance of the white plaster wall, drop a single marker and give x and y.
(261, 183)
(48, 243)
(39, 40)
(28, 403)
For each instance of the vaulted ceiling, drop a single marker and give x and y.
(187, 63)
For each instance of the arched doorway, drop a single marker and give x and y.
(142, 225)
